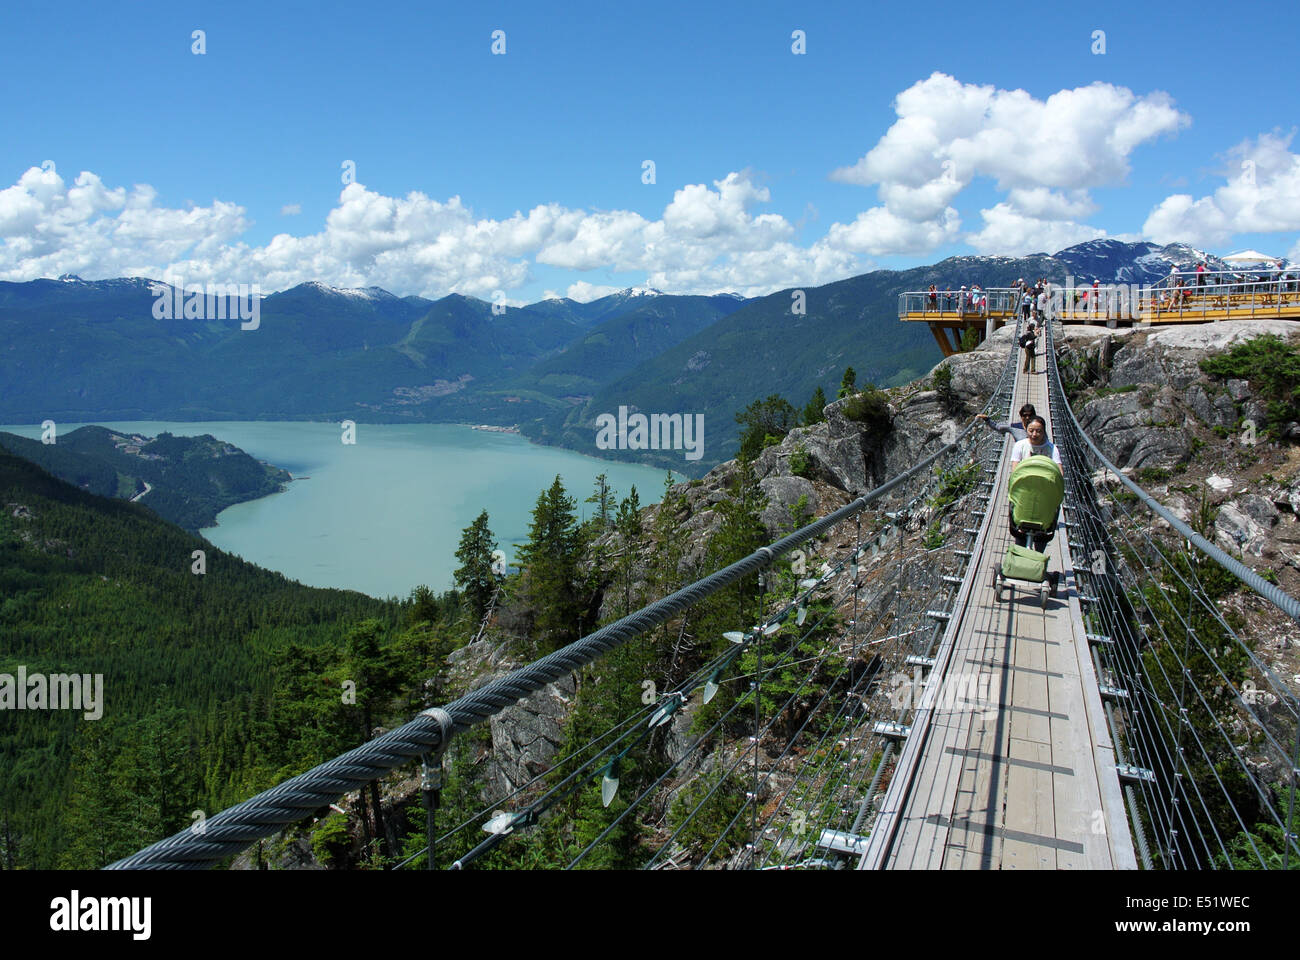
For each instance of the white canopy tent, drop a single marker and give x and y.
(1249, 256)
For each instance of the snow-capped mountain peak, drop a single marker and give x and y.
(356, 293)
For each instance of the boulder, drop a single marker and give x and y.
(1260, 509)
(782, 494)
(527, 734)
(1213, 410)
(1236, 531)
(1218, 483)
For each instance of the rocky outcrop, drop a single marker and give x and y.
(526, 736)
(783, 496)
(1145, 394)
(1241, 527)
(1135, 431)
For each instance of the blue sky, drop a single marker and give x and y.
(227, 166)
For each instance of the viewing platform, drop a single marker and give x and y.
(1186, 298)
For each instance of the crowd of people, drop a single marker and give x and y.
(972, 300)
(1032, 299)
(1275, 279)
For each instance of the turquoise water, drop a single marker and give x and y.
(385, 514)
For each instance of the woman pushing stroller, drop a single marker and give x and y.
(1035, 491)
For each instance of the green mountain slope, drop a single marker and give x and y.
(764, 348)
(90, 585)
(186, 480)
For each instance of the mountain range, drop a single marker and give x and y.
(77, 350)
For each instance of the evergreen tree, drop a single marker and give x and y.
(848, 385)
(603, 497)
(630, 532)
(423, 604)
(664, 575)
(628, 521)
(765, 423)
(739, 534)
(156, 781)
(813, 412)
(97, 820)
(475, 575)
(369, 665)
(551, 560)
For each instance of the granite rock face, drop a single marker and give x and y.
(1135, 432)
(526, 736)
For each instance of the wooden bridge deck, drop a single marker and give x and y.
(1009, 764)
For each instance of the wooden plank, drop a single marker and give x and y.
(981, 793)
(1030, 807)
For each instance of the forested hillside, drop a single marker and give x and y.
(202, 673)
(187, 480)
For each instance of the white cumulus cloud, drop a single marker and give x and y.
(1045, 154)
(1009, 232)
(1261, 194)
(708, 239)
(585, 292)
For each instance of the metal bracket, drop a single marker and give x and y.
(891, 728)
(1128, 771)
(445, 727)
(837, 841)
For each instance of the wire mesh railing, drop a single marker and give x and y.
(1206, 732)
(974, 302)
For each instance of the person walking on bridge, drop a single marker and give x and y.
(1017, 430)
(1035, 444)
(1029, 341)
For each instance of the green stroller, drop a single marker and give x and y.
(1035, 491)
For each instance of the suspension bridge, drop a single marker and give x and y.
(892, 708)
